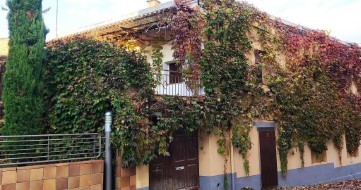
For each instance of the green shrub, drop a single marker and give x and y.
(23, 86)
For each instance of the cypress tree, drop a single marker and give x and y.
(23, 85)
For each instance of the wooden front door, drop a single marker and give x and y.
(267, 142)
(180, 169)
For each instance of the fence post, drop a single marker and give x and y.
(108, 156)
(48, 147)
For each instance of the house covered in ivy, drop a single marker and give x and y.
(240, 99)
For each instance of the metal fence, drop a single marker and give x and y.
(35, 149)
(174, 84)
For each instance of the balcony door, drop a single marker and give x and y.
(175, 73)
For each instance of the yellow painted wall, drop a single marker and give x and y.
(210, 162)
(167, 54)
(142, 177)
(4, 48)
(254, 157)
(209, 168)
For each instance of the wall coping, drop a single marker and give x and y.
(50, 165)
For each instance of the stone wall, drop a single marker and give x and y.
(85, 175)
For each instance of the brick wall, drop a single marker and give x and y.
(86, 175)
(125, 177)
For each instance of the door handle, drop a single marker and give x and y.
(179, 168)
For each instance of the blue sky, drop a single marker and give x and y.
(341, 17)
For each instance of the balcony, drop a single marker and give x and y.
(172, 83)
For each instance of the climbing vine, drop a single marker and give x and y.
(187, 26)
(302, 80)
(313, 98)
(242, 141)
(225, 71)
(85, 78)
(157, 61)
(307, 94)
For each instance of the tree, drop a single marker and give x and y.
(23, 85)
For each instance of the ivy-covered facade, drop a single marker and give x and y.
(269, 103)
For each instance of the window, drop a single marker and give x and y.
(175, 74)
(318, 158)
(258, 56)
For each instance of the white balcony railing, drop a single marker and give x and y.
(174, 84)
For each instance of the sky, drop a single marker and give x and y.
(340, 17)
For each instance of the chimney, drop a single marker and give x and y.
(153, 3)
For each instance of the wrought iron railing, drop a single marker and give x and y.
(35, 149)
(174, 84)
